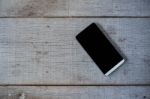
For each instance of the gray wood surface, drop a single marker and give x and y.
(110, 8)
(45, 51)
(77, 92)
(57, 8)
(38, 47)
(32, 8)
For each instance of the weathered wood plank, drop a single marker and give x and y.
(110, 7)
(51, 8)
(33, 8)
(77, 92)
(45, 51)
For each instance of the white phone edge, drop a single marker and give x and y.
(115, 67)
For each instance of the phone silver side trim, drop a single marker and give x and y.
(115, 67)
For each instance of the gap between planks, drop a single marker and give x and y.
(75, 85)
(82, 17)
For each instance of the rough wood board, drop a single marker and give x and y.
(45, 51)
(51, 8)
(33, 8)
(109, 7)
(77, 92)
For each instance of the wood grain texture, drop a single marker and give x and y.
(33, 8)
(59, 8)
(110, 8)
(78, 92)
(45, 51)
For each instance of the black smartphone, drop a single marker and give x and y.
(100, 49)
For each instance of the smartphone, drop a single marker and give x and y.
(100, 49)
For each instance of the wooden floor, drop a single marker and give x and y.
(41, 59)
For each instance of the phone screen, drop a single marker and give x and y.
(100, 49)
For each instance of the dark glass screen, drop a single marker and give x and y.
(99, 48)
